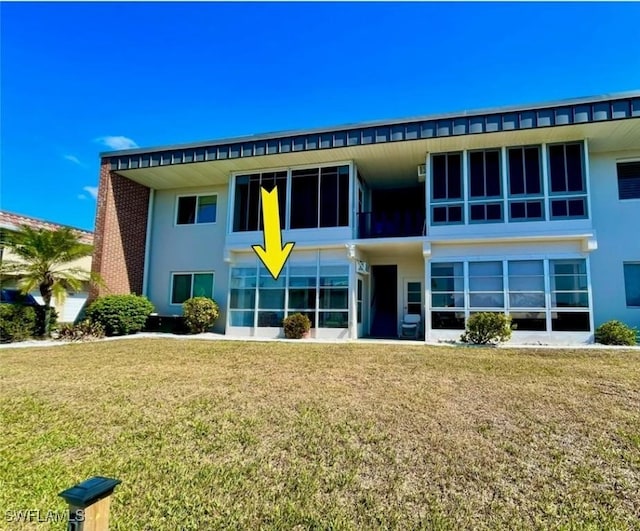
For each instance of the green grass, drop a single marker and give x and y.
(211, 435)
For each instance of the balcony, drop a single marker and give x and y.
(391, 224)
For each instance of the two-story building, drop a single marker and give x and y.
(531, 210)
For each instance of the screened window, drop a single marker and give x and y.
(485, 182)
(486, 288)
(632, 284)
(197, 209)
(526, 284)
(447, 285)
(569, 287)
(446, 188)
(334, 296)
(242, 301)
(256, 299)
(248, 199)
(187, 285)
(566, 176)
(525, 183)
(320, 197)
(628, 180)
(531, 300)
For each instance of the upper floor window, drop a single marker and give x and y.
(320, 197)
(628, 180)
(485, 183)
(566, 177)
(446, 188)
(247, 214)
(197, 209)
(525, 184)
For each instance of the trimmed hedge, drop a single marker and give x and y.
(120, 315)
(296, 326)
(200, 313)
(485, 328)
(17, 322)
(616, 333)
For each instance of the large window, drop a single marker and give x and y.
(518, 289)
(320, 197)
(258, 300)
(196, 209)
(566, 181)
(447, 295)
(446, 189)
(485, 186)
(248, 199)
(187, 285)
(526, 195)
(628, 180)
(632, 284)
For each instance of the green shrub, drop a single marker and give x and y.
(200, 313)
(615, 333)
(83, 331)
(296, 326)
(487, 328)
(120, 314)
(17, 322)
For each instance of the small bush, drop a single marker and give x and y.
(485, 328)
(200, 313)
(120, 314)
(17, 322)
(616, 333)
(296, 326)
(83, 331)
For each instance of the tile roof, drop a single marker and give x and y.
(11, 221)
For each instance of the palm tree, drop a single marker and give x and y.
(45, 260)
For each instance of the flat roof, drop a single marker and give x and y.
(605, 107)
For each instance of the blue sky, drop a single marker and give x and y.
(81, 78)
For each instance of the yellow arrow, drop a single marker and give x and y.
(273, 254)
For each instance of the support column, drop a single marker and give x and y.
(353, 292)
(426, 254)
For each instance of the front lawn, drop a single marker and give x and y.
(208, 435)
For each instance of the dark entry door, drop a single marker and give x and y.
(384, 301)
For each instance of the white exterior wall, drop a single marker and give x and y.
(186, 248)
(617, 226)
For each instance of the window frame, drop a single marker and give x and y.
(192, 273)
(197, 196)
(485, 200)
(289, 169)
(550, 310)
(624, 280)
(525, 198)
(635, 160)
(446, 203)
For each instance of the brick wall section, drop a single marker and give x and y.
(120, 233)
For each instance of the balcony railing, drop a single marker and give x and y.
(391, 224)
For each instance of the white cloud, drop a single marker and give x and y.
(74, 159)
(91, 190)
(82, 196)
(117, 142)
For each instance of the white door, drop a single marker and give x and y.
(413, 296)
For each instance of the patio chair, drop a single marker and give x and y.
(410, 326)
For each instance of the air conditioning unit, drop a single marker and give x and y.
(422, 172)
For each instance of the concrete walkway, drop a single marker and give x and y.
(210, 336)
